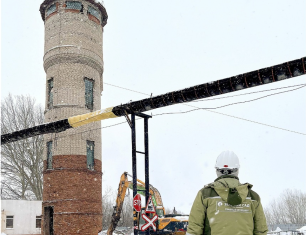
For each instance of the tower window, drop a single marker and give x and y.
(50, 93)
(90, 147)
(51, 9)
(94, 12)
(89, 83)
(74, 5)
(49, 155)
(9, 221)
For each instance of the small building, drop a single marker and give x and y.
(21, 217)
(286, 229)
(302, 230)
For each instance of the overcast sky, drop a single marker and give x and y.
(160, 46)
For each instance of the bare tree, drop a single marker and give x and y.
(172, 211)
(107, 207)
(21, 161)
(127, 211)
(108, 203)
(289, 208)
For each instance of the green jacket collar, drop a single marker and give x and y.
(226, 176)
(230, 189)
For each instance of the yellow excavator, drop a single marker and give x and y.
(166, 224)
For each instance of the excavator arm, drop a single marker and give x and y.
(141, 190)
(123, 185)
(157, 196)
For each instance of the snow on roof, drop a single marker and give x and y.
(302, 229)
(181, 217)
(277, 230)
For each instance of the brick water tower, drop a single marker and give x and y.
(73, 62)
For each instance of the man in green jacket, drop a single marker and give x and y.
(227, 207)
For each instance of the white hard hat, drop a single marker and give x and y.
(227, 159)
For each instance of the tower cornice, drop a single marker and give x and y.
(73, 58)
(46, 3)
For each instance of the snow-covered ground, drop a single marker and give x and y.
(283, 233)
(120, 231)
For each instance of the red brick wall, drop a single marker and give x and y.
(75, 193)
(71, 10)
(93, 18)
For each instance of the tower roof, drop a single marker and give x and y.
(93, 2)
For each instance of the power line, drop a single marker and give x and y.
(241, 102)
(205, 109)
(227, 115)
(244, 119)
(196, 109)
(113, 125)
(125, 88)
(209, 109)
(249, 93)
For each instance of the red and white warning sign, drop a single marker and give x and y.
(137, 202)
(150, 207)
(150, 222)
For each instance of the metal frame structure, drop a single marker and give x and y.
(134, 160)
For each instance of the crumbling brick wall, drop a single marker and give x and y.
(75, 193)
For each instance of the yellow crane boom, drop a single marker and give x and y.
(123, 185)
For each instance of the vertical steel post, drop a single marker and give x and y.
(134, 170)
(146, 144)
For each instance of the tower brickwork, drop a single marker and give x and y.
(73, 62)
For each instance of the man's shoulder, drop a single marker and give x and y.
(208, 185)
(208, 191)
(254, 196)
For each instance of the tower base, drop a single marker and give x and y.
(72, 196)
